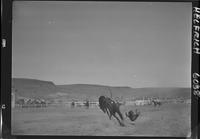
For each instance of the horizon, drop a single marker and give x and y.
(136, 44)
(99, 84)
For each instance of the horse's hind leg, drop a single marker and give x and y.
(120, 115)
(121, 124)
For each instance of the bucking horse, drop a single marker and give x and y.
(109, 106)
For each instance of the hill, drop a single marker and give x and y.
(32, 88)
(125, 92)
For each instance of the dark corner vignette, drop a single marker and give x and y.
(6, 54)
(195, 70)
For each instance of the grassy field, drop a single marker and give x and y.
(166, 120)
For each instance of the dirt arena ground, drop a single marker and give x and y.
(166, 120)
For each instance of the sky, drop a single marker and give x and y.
(136, 44)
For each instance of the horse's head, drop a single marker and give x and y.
(101, 98)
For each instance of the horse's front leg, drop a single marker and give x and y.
(109, 114)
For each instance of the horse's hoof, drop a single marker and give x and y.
(132, 123)
(122, 124)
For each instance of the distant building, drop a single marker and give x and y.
(130, 102)
(139, 102)
(142, 102)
